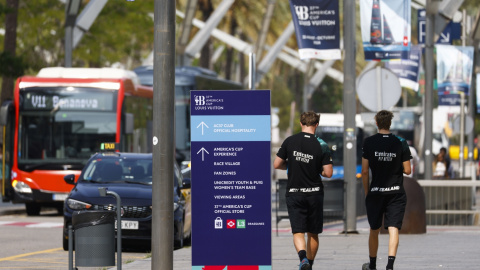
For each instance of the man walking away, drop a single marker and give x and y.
(388, 157)
(306, 158)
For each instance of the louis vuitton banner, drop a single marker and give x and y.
(317, 28)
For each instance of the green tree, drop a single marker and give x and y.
(11, 66)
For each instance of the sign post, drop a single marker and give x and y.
(231, 180)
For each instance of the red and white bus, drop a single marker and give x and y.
(58, 119)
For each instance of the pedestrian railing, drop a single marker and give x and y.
(451, 202)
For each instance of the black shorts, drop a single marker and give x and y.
(306, 213)
(391, 207)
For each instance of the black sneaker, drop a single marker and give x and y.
(305, 265)
(366, 266)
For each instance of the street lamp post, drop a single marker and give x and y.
(163, 132)
(349, 111)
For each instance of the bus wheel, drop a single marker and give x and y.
(33, 209)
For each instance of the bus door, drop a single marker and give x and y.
(7, 121)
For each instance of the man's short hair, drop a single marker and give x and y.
(309, 118)
(384, 119)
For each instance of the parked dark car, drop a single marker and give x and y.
(130, 176)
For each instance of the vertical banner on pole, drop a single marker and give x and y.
(317, 28)
(385, 28)
(454, 73)
(407, 70)
(231, 180)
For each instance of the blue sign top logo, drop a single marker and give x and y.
(227, 102)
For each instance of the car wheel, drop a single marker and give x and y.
(65, 240)
(65, 243)
(32, 209)
(60, 209)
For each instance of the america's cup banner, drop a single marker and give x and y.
(385, 29)
(317, 28)
(407, 70)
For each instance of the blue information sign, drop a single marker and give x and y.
(231, 180)
(452, 31)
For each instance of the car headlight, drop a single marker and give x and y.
(175, 206)
(78, 205)
(21, 187)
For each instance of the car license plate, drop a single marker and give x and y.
(128, 225)
(59, 197)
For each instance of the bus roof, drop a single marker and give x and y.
(88, 73)
(336, 119)
(106, 78)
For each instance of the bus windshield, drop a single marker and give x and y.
(59, 127)
(333, 136)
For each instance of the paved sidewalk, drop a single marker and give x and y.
(440, 248)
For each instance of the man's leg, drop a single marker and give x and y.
(300, 246)
(299, 241)
(373, 242)
(392, 246)
(393, 241)
(312, 246)
(372, 250)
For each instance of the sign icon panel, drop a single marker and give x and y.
(218, 223)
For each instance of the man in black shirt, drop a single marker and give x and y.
(306, 158)
(388, 157)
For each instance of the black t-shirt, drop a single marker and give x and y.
(305, 154)
(386, 154)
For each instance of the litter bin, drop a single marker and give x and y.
(94, 238)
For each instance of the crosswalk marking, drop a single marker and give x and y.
(32, 224)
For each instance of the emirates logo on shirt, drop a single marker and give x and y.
(384, 156)
(299, 156)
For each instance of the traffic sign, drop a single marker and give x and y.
(378, 89)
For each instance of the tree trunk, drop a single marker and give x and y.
(206, 8)
(10, 44)
(230, 51)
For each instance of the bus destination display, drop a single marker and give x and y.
(67, 100)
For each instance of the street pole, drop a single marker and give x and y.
(349, 111)
(471, 112)
(71, 11)
(163, 134)
(428, 105)
(462, 135)
(306, 84)
(251, 71)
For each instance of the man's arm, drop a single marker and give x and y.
(365, 175)
(279, 163)
(407, 168)
(327, 170)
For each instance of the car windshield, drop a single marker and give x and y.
(136, 170)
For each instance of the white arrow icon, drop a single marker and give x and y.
(203, 125)
(445, 37)
(203, 150)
